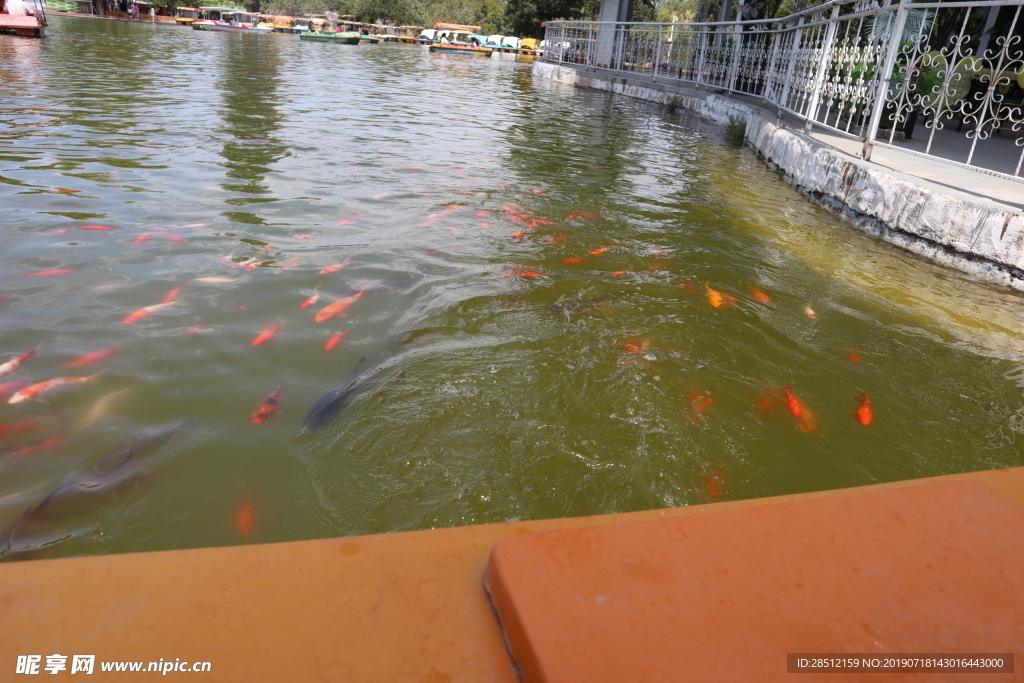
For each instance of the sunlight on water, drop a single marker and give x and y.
(550, 301)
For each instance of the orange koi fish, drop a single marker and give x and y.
(174, 238)
(574, 260)
(480, 214)
(225, 259)
(700, 403)
(804, 418)
(454, 207)
(335, 268)
(484, 226)
(350, 220)
(10, 366)
(302, 236)
(333, 342)
(517, 235)
(536, 191)
(810, 313)
(426, 223)
(172, 295)
(37, 390)
(245, 518)
(12, 428)
(93, 227)
(34, 447)
(266, 335)
(658, 265)
(760, 296)
(147, 311)
(713, 484)
(580, 214)
(7, 389)
(268, 409)
(257, 264)
(338, 307)
(597, 251)
(311, 300)
(718, 299)
(853, 356)
(94, 357)
(530, 273)
(617, 273)
(864, 414)
(58, 231)
(49, 273)
(141, 238)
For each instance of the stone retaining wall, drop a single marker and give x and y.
(975, 237)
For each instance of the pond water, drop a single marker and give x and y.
(676, 363)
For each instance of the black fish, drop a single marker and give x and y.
(331, 403)
(119, 472)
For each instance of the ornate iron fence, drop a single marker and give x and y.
(866, 69)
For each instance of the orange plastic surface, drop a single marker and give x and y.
(402, 607)
(726, 595)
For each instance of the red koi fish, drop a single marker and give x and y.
(302, 236)
(454, 207)
(863, 414)
(580, 214)
(574, 260)
(636, 347)
(141, 238)
(335, 268)
(174, 238)
(93, 357)
(536, 191)
(257, 264)
(245, 518)
(699, 404)
(804, 417)
(13, 364)
(37, 390)
(338, 307)
(350, 220)
(266, 335)
(12, 428)
(853, 356)
(617, 273)
(480, 214)
(718, 299)
(7, 389)
(311, 300)
(759, 296)
(268, 409)
(531, 274)
(517, 235)
(58, 231)
(146, 312)
(426, 223)
(335, 340)
(93, 227)
(172, 295)
(49, 273)
(597, 251)
(484, 226)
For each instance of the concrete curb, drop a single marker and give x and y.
(974, 237)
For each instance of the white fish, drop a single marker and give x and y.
(13, 364)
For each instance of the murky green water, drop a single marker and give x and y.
(496, 395)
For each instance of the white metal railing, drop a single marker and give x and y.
(867, 69)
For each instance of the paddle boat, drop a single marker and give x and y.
(407, 34)
(460, 49)
(225, 19)
(27, 26)
(186, 16)
(528, 47)
(284, 24)
(344, 38)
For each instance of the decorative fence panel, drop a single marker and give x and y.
(865, 69)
